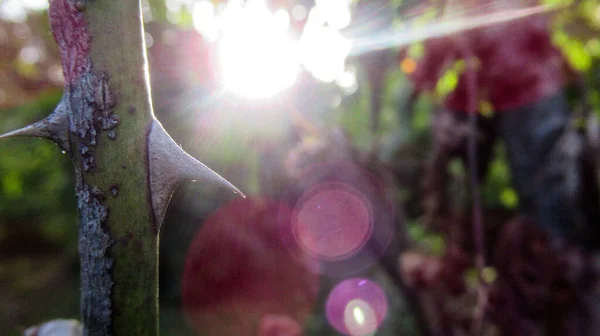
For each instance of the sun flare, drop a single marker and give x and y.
(257, 58)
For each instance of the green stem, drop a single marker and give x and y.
(117, 49)
(107, 107)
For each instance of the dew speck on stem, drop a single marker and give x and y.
(114, 190)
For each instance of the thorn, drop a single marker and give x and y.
(171, 165)
(31, 131)
(54, 128)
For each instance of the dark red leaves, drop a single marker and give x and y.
(238, 270)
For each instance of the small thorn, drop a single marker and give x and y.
(171, 165)
(54, 128)
(27, 131)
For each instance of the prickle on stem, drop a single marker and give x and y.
(54, 128)
(170, 165)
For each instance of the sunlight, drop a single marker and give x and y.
(444, 27)
(16, 10)
(324, 51)
(360, 318)
(359, 315)
(347, 81)
(257, 58)
(205, 22)
(335, 12)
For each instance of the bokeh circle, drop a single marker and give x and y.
(356, 307)
(332, 221)
(342, 217)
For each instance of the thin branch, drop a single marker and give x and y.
(477, 217)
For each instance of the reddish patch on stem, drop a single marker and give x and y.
(70, 30)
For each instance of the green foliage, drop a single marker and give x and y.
(354, 114)
(416, 50)
(429, 241)
(423, 114)
(497, 191)
(36, 188)
(574, 50)
(447, 83)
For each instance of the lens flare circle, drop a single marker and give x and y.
(356, 307)
(332, 221)
(358, 204)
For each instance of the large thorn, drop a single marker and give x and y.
(171, 165)
(54, 128)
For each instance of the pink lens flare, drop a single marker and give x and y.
(332, 221)
(343, 218)
(356, 307)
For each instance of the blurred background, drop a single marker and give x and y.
(317, 111)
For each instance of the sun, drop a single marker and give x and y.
(257, 57)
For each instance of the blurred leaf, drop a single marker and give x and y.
(422, 115)
(456, 167)
(497, 191)
(12, 185)
(557, 2)
(489, 274)
(159, 9)
(416, 231)
(574, 50)
(354, 116)
(416, 50)
(509, 198)
(432, 242)
(593, 47)
(486, 109)
(447, 83)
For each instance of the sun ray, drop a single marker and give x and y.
(444, 27)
